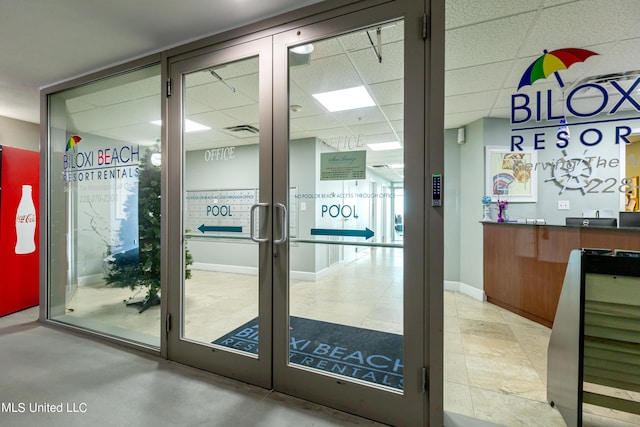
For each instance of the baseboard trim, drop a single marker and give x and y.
(463, 288)
(91, 279)
(253, 271)
(224, 268)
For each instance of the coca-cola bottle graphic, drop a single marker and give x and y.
(26, 223)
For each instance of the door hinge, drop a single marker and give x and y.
(167, 322)
(424, 26)
(425, 380)
(168, 88)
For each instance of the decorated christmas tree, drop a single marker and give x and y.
(139, 268)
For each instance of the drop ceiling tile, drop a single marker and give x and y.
(124, 93)
(394, 111)
(198, 78)
(389, 92)
(325, 48)
(314, 123)
(476, 79)
(217, 120)
(583, 23)
(242, 67)
(93, 120)
(141, 110)
(374, 129)
(460, 13)
(373, 71)
(486, 42)
(359, 116)
(390, 32)
(309, 105)
(248, 85)
(244, 115)
(75, 105)
(469, 102)
(325, 75)
(457, 120)
(144, 133)
(212, 137)
(218, 96)
(192, 106)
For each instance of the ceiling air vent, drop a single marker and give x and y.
(243, 129)
(380, 166)
(606, 78)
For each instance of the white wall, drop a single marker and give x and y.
(471, 192)
(241, 172)
(17, 133)
(451, 188)
(465, 178)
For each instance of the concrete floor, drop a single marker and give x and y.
(108, 385)
(494, 372)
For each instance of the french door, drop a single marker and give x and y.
(295, 254)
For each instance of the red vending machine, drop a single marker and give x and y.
(19, 215)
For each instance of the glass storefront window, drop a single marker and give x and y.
(104, 206)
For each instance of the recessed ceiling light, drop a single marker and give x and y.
(304, 49)
(189, 125)
(345, 99)
(385, 146)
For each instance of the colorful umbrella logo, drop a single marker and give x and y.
(73, 141)
(551, 63)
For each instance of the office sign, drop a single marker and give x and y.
(341, 166)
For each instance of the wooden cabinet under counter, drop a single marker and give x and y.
(524, 265)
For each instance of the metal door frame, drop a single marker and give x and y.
(412, 406)
(424, 92)
(239, 366)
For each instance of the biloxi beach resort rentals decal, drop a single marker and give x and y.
(362, 354)
(81, 163)
(539, 123)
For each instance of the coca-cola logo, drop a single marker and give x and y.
(26, 218)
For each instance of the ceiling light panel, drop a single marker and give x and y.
(385, 146)
(345, 99)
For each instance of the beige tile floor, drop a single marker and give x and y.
(495, 361)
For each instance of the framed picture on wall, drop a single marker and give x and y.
(511, 175)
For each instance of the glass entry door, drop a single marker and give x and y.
(220, 153)
(349, 329)
(293, 262)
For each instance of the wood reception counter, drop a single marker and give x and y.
(524, 265)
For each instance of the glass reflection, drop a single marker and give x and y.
(104, 208)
